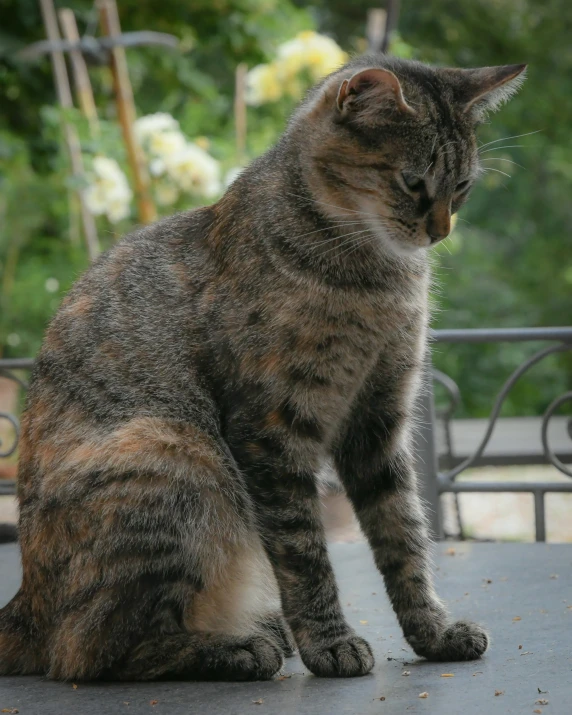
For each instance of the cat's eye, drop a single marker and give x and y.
(462, 186)
(413, 182)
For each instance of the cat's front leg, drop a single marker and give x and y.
(287, 507)
(374, 461)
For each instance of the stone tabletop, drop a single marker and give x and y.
(521, 592)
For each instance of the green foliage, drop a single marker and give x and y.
(39, 215)
(509, 261)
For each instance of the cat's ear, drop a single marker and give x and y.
(485, 89)
(370, 89)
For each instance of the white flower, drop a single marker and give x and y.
(177, 164)
(195, 171)
(231, 175)
(323, 55)
(117, 210)
(166, 193)
(95, 199)
(160, 137)
(308, 51)
(262, 85)
(154, 123)
(52, 285)
(108, 192)
(163, 144)
(157, 167)
(13, 340)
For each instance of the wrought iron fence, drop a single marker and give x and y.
(433, 481)
(9, 446)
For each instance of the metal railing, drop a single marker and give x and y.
(7, 366)
(434, 482)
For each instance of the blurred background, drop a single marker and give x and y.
(219, 94)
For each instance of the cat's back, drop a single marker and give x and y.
(120, 336)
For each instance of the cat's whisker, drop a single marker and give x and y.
(335, 238)
(323, 203)
(433, 145)
(427, 169)
(329, 228)
(354, 244)
(447, 144)
(500, 158)
(445, 246)
(516, 136)
(499, 148)
(346, 242)
(490, 168)
(368, 239)
(453, 141)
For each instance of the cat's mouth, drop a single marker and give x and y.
(391, 241)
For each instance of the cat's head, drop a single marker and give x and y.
(395, 142)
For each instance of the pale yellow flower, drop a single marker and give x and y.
(165, 143)
(153, 123)
(262, 85)
(166, 193)
(203, 143)
(309, 50)
(195, 172)
(109, 193)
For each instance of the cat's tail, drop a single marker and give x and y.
(20, 646)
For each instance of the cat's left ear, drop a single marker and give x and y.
(486, 88)
(370, 89)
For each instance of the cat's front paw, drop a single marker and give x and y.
(344, 658)
(463, 640)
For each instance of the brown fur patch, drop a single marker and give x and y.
(79, 307)
(274, 419)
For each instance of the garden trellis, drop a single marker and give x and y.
(110, 49)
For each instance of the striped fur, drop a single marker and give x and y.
(198, 375)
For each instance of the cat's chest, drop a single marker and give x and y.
(329, 347)
(344, 341)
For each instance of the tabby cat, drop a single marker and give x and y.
(198, 375)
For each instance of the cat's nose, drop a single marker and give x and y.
(439, 223)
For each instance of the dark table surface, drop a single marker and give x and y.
(521, 592)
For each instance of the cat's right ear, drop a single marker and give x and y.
(370, 90)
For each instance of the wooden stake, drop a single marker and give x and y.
(393, 7)
(375, 29)
(240, 111)
(79, 71)
(126, 112)
(72, 140)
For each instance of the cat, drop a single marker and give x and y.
(197, 376)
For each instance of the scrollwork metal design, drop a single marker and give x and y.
(552, 458)
(16, 426)
(506, 388)
(12, 419)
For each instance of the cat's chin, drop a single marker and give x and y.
(401, 249)
(392, 245)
